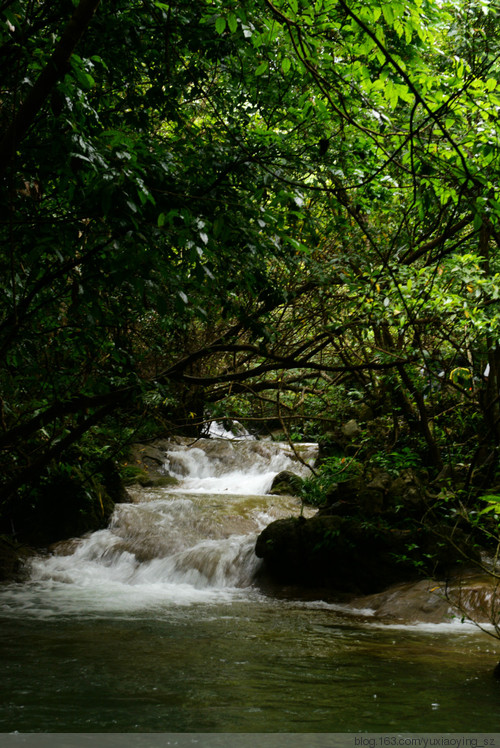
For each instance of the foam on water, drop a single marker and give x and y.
(455, 624)
(171, 547)
(234, 483)
(222, 467)
(185, 545)
(101, 576)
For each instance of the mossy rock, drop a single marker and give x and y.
(133, 475)
(147, 457)
(158, 481)
(13, 556)
(347, 554)
(286, 483)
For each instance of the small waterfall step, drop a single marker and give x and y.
(178, 544)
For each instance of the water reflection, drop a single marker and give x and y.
(243, 667)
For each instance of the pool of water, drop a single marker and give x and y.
(253, 665)
(153, 626)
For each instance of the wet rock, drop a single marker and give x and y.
(147, 465)
(411, 602)
(158, 481)
(463, 595)
(351, 430)
(13, 556)
(147, 457)
(348, 554)
(136, 476)
(286, 483)
(65, 547)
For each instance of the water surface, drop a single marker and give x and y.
(154, 625)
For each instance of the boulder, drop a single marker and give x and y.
(468, 593)
(351, 430)
(348, 554)
(13, 556)
(364, 412)
(407, 489)
(331, 551)
(379, 492)
(147, 465)
(63, 505)
(147, 457)
(286, 483)
(158, 481)
(346, 491)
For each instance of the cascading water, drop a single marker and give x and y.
(153, 625)
(187, 544)
(237, 467)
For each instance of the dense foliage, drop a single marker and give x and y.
(269, 210)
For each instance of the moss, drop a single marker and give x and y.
(132, 475)
(286, 483)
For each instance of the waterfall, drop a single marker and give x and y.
(237, 467)
(172, 546)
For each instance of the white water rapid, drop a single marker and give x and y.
(171, 546)
(154, 625)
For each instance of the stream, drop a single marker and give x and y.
(155, 624)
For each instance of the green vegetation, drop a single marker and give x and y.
(282, 212)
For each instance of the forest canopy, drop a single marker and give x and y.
(262, 210)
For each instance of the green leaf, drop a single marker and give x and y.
(232, 22)
(286, 65)
(262, 68)
(220, 25)
(388, 14)
(84, 79)
(12, 20)
(478, 221)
